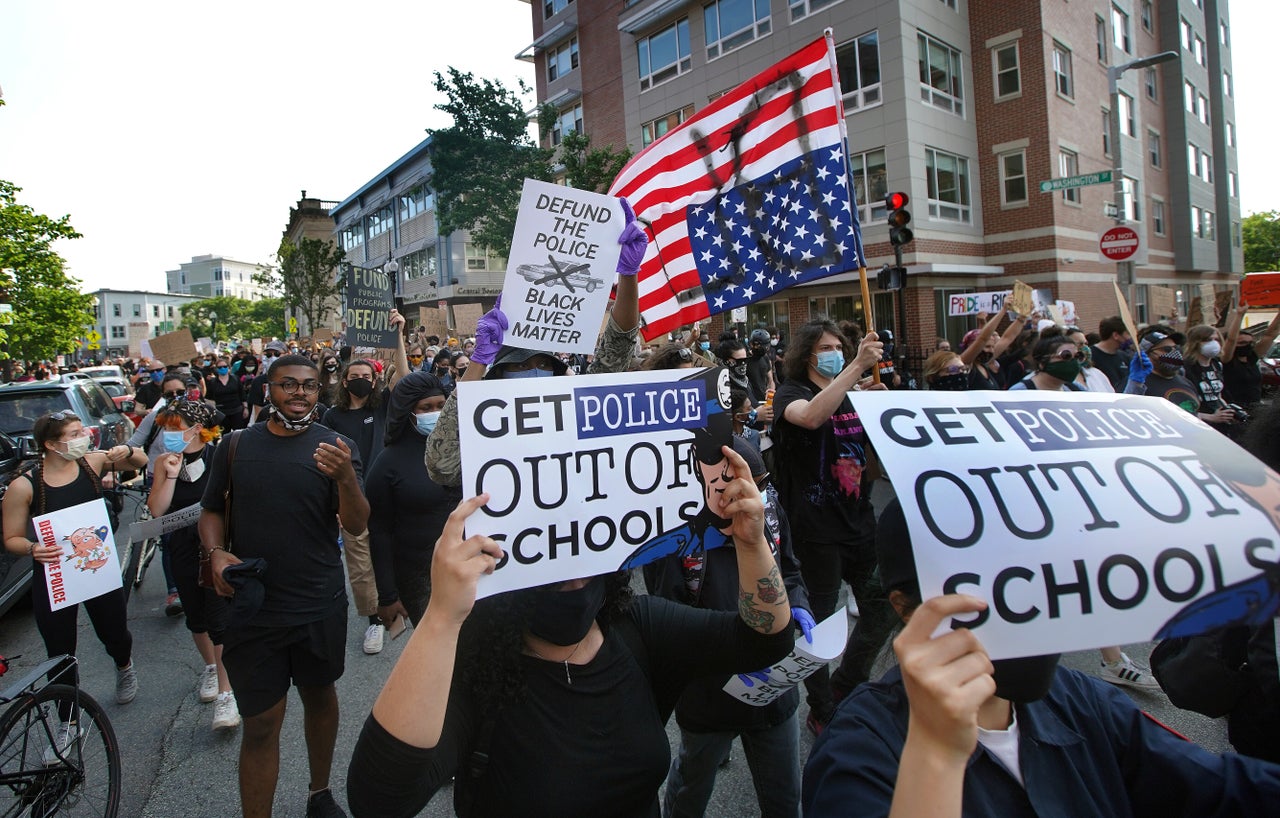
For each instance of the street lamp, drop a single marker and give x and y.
(213, 320)
(1124, 269)
(391, 268)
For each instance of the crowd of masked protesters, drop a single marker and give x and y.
(324, 476)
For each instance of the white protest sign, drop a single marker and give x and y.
(89, 566)
(829, 637)
(1068, 310)
(1083, 519)
(564, 257)
(973, 303)
(591, 474)
(158, 526)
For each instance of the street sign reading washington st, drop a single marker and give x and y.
(1102, 177)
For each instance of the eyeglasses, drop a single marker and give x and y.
(1066, 355)
(415, 357)
(174, 394)
(63, 415)
(956, 369)
(290, 387)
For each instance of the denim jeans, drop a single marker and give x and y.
(773, 755)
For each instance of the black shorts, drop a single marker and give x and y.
(262, 662)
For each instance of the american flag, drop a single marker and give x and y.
(747, 198)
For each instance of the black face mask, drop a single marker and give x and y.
(984, 357)
(951, 383)
(360, 388)
(756, 351)
(1026, 679)
(331, 366)
(564, 617)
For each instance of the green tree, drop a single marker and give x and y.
(1260, 233)
(238, 318)
(307, 276)
(265, 319)
(49, 313)
(588, 168)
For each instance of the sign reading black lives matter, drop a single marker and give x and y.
(563, 261)
(370, 298)
(594, 473)
(1083, 520)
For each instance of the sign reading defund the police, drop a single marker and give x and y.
(370, 298)
(1083, 520)
(591, 474)
(564, 257)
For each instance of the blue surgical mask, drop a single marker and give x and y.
(830, 362)
(174, 441)
(222, 370)
(706, 345)
(157, 377)
(426, 422)
(528, 373)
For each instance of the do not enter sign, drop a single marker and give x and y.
(1119, 243)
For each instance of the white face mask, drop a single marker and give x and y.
(192, 471)
(1211, 349)
(76, 448)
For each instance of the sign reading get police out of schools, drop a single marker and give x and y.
(1082, 519)
(593, 473)
(563, 261)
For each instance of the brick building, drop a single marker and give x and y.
(966, 105)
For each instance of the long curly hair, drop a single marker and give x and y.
(492, 639)
(795, 364)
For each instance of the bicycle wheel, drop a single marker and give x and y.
(146, 553)
(34, 780)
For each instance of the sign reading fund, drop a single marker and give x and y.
(370, 298)
(563, 260)
(591, 474)
(1082, 519)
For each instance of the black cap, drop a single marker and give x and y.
(893, 550)
(513, 355)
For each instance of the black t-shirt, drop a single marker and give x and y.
(186, 493)
(820, 471)
(257, 391)
(758, 368)
(1114, 365)
(1177, 390)
(365, 426)
(980, 380)
(284, 509)
(1243, 379)
(226, 396)
(1208, 382)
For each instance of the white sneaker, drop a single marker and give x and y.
(126, 684)
(62, 737)
(208, 683)
(373, 638)
(225, 713)
(1128, 673)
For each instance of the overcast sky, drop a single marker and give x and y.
(168, 130)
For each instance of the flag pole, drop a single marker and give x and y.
(870, 315)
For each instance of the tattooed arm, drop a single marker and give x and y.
(762, 598)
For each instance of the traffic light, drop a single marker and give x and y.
(899, 218)
(892, 278)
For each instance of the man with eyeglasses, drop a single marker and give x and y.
(293, 481)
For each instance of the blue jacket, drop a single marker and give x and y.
(1085, 749)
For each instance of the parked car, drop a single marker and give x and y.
(22, 403)
(1270, 367)
(101, 373)
(15, 569)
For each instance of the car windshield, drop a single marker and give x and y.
(115, 390)
(18, 412)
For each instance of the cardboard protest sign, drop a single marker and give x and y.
(829, 637)
(323, 336)
(1067, 309)
(136, 333)
(174, 347)
(563, 260)
(1162, 302)
(89, 566)
(434, 321)
(1055, 315)
(465, 317)
(1021, 303)
(1260, 290)
(1083, 519)
(370, 299)
(1122, 304)
(591, 474)
(205, 345)
(1222, 303)
(1195, 312)
(256, 346)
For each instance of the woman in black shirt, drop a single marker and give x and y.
(560, 695)
(224, 390)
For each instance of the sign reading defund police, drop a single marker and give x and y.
(590, 474)
(1083, 520)
(369, 301)
(563, 261)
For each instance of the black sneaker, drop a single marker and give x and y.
(322, 805)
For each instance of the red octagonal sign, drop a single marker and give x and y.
(1119, 243)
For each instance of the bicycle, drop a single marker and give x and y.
(135, 558)
(58, 751)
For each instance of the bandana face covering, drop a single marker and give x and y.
(300, 425)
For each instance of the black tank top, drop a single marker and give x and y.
(81, 490)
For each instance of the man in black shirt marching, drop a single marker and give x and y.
(292, 482)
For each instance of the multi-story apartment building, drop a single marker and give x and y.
(967, 106)
(211, 275)
(146, 314)
(392, 216)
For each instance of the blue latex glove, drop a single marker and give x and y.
(1139, 367)
(805, 620)
(761, 676)
(490, 330)
(633, 241)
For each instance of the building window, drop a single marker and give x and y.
(948, 178)
(1153, 149)
(170, 312)
(1227, 87)
(1100, 34)
(1152, 85)
(1206, 225)
(117, 333)
(1236, 234)
(1120, 30)
(380, 221)
(137, 310)
(562, 60)
(1233, 184)
(1200, 52)
(656, 129)
(1231, 134)
(1128, 119)
(1148, 15)
(803, 8)
(951, 4)
(859, 64)
(352, 237)
(1013, 178)
(664, 55)
(1206, 167)
(155, 310)
(115, 310)
(1129, 192)
(553, 7)
(1004, 64)
(1069, 165)
(1224, 33)
(1062, 76)
(1187, 34)
(734, 23)
(1106, 132)
(941, 81)
(1190, 98)
(569, 121)
(416, 202)
(870, 184)
(1157, 217)
(1202, 109)
(480, 259)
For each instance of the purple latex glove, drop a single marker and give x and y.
(805, 620)
(490, 330)
(633, 241)
(761, 676)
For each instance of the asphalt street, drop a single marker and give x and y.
(175, 765)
